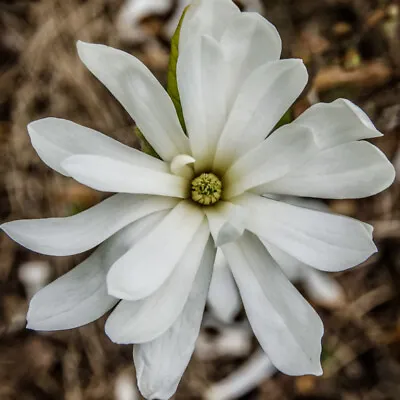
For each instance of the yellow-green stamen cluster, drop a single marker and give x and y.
(206, 189)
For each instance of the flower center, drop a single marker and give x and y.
(206, 189)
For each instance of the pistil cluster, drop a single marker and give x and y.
(206, 189)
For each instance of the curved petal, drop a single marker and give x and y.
(143, 269)
(248, 42)
(161, 363)
(81, 232)
(284, 151)
(201, 79)
(226, 222)
(273, 87)
(351, 170)
(109, 175)
(57, 139)
(223, 296)
(144, 320)
(325, 241)
(80, 296)
(206, 17)
(336, 123)
(135, 87)
(286, 326)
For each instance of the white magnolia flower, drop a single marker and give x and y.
(157, 234)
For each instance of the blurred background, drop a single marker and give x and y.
(351, 49)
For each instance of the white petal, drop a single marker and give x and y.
(161, 363)
(201, 79)
(81, 232)
(248, 42)
(286, 326)
(264, 97)
(336, 123)
(223, 297)
(80, 296)
(284, 151)
(143, 269)
(180, 166)
(325, 241)
(109, 175)
(57, 139)
(135, 87)
(144, 320)
(351, 170)
(206, 17)
(226, 221)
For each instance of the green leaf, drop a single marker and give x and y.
(172, 83)
(145, 146)
(286, 119)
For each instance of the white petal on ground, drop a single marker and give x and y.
(223, 297)
(201, 76)
(351, 170)
(272, 87)
(336, 123)
(325, 241)
(109, 175)
(286, 326)
(282, 152)
(135, 87)
(80, 296)
(81, 232)
(244, 379)
(144, 320)
(226, 221)
(248, 42)
(206, 17)
(161, 363)
(143, 269)
(57, 139)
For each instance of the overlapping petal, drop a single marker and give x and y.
(144, 320)
(81, 232)
(57, 139)
(135, 87)
(160, 363)
(351, 170)
(143, 269)
(80, 296)
(109, 175)
(325, 241)
(286, 326)
(201, 74)
(282, 152)
(223, 296)
(272, 87)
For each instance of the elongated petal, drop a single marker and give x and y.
(206, 17)
(80, 296)
(325, 241)
(81, 232)
(351, 170)
(57, 139)
(143, 269)
(144, 320)
(248, 42)
(161, 363)
(202, 87)
(226, 221)
(286, 326)
(336, 123)
(135, 87)
(223, 296)
(284, 151)
(272, 87)
(109, 175)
